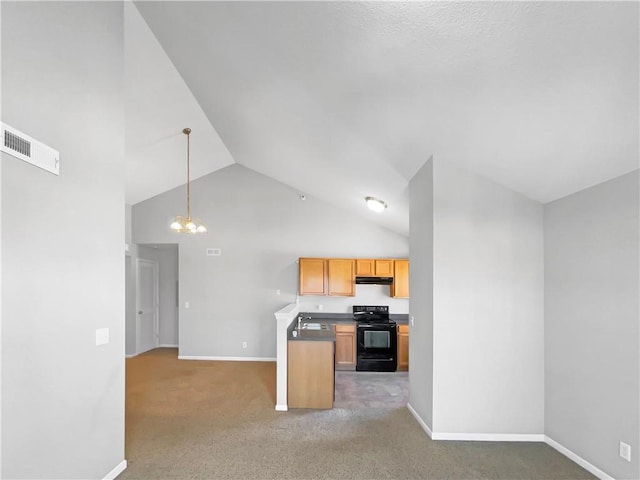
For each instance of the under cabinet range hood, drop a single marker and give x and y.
(374, 280)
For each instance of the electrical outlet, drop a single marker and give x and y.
(277, 291)
(186, 305)
(320, 307)
(625, 451)
(411, 320)
(244, 344)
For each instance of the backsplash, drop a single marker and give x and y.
(365, 295)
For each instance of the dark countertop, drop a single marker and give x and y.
(329, 319)
(399, 318)
(326, 334)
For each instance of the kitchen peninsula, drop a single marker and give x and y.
(310, 366)
(312, 346)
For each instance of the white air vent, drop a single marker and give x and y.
(22, 146)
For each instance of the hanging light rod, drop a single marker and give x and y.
(187, 224)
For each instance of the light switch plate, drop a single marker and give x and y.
(102, 336)
(625, 451)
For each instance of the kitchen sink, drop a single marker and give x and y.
(314, 326)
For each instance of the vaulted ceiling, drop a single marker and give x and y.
(341, 100)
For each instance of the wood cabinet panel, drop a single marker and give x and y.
(403, 347)
(400, 287)
(312, 276)
(345, 346)
(310, 374)
(341, 276)
(365, 267)
(384, 268)
(370, 267)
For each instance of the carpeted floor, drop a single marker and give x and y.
(216, 420)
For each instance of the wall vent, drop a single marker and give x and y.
(22, 146)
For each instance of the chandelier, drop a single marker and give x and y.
(187, 224)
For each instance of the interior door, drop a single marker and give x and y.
(147, 303)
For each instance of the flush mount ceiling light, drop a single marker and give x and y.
(187, 224)
(375, 204)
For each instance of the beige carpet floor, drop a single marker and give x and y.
(216, 420)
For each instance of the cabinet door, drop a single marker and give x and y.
(312, 275)
(365, 267)
(341, 277)
(400, 287)
(310, 374)
(384, 268)
(403, 347)
(345, 347)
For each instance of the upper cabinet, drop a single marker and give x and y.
(341, 276)
(336, 276)
(369, 267)
(400, 287)
(312, 276)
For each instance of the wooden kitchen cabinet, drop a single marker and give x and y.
(403, 347)
(345, 346)
(365, 267)
(400, 287)
(310, 374)
(312, 276)
(341, 276)
(370, 267)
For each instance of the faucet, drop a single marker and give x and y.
(299, 318)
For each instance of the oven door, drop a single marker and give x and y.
(377, 348)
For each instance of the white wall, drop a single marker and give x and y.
(592, 345)
(488, 307)
(421, 281)
(62, 396)
(262, 227)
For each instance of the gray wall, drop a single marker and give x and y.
(488, 306)
(63, 397)
(130, 303)
(591, 323)
(166, 257)
(127, 224)
(421, 281)
(262, 227)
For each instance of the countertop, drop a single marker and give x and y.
(399, 318)
(327, 334)
(329, 319)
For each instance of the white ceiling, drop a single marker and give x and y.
(346, 99)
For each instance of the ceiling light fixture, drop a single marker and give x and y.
(187, 224)
(375, 204)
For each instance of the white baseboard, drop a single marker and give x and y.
(476, 437)
(420, 421)
(510, 437)
(167, 345)
(282, 408)
(578, 459)
(116, 471)
(228, 359)
(490, 437)
(130, 355)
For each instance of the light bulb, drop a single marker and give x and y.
(175, 225)
(375, 204)
(201, 229)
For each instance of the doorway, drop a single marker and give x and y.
(151, 297)
(147, 305)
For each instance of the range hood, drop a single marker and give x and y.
(374, 280)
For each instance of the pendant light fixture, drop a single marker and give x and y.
(187, 224)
